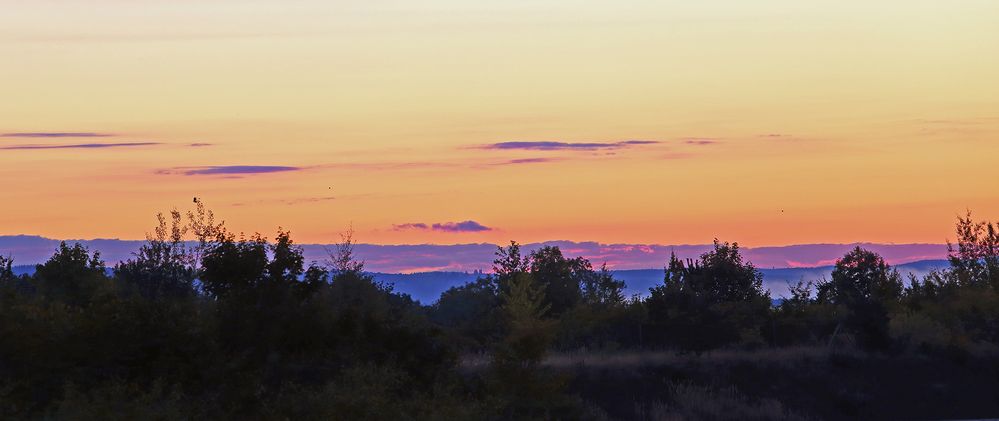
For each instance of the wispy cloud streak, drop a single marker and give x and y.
(80, 146)
(56, 134)
(526, 161)
(229, 170)
(700, 141)
(562, 146)
(410, 226)
(296, 201)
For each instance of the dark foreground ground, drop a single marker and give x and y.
(788, 383)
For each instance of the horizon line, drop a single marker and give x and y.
(741, 244)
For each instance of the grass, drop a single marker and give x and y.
(693, 402)
(779, 383)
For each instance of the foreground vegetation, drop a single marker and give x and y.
(239, 327)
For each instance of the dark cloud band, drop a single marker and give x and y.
(80, 146)
(56, 134)
(229, 170)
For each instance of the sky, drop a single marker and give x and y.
(770, 122)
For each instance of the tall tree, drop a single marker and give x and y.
(201, 223)
(287, 260)
(231, 266)
(599, 288)
(529, 332)
(163, 267)
(342, 258)
(72, 275)
(559, 277)
(6, 269)
(710, 301)
(861, 276)
(865, 287)
(975, 259)
(509, 262)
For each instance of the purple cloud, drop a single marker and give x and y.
(464, 226)
(80, 146)
(559, 146)
(198, 145)
(56, 134)
(229, 170)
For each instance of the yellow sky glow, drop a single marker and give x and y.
(861, 122)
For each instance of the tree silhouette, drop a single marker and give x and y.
(599, 288)
(201, 223)
(509, 263)
(559, 277)
(472, 310)
(529, 332)
(975, 260)
(6, 271)
(708, 302)
(231, 266)
(865, 287)
(342, 259)
(163, 267)
(72, 275)
(286, 265)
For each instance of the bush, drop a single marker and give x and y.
(918, 330)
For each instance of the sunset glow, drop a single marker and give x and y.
(652, 122)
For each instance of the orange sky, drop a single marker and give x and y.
(773, 121)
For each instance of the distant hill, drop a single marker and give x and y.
(428, 286)
(412, 258)
(23, 270)
(776, 280)
(439, 267)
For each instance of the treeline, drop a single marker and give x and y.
(242, 327)
(718, 300)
